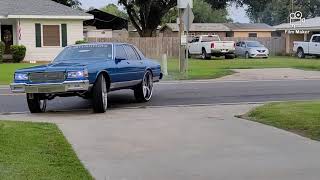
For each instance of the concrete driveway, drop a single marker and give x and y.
(184, 142)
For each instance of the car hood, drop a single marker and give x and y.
(60, 66)
(258, 48)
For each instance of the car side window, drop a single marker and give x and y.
(132, 55)
(120, 52)
(243, 44)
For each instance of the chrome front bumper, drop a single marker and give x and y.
(67, 86)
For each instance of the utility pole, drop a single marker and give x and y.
(181, 47)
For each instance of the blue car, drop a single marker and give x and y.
(89, 71)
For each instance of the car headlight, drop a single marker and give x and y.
(21, 76)
(78, 74)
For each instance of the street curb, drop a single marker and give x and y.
(4, 87)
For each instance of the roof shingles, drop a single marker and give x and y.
(37, 7)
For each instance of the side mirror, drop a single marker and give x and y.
(119, 59)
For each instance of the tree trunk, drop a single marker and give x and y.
(148, 33)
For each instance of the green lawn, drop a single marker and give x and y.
(210, 69)
(37, 151)
(302, 118)
(7, 71)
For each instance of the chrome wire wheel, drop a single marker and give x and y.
(147, 86)
(104, 93)
(43, 105)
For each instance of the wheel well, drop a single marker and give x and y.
(107, 77)
(150, 71)
(300, 48)
(204, 49)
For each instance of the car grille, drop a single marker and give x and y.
(45, 77)
(261, 51)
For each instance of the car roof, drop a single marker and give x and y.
(249, 41)
(99, 43)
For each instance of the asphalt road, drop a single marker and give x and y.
(186, 93)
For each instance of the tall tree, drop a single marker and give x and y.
(113, 9)
(146, 15)
(70, 3)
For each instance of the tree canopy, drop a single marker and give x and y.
(70, 3)
(275, 12)
(146, 15)
(204, 13)
(114, 10)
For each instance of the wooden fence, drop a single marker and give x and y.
(155, 47)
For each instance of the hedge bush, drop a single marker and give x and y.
(81, 42)
(18, 53)
(2, 48)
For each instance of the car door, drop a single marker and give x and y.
(137, 64)
(243, 48)
(238, 48)
(314, 47)
(124, 68)
(194, 46)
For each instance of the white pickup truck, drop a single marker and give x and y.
(312, 48)
(211, 45)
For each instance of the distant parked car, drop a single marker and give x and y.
(89, 71)
(311, 48)
(251, 49)
(211, 45)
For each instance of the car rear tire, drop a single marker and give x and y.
(143, 92)
(100, 95)
(36, 103)
(300, 53)
(205, 55)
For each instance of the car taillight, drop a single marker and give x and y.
(212, 45)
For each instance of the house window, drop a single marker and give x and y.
(253, 35)
(51, 35)
(229, 34)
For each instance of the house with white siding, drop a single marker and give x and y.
(44, 27)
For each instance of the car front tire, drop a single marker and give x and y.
(36, 103)
(100, 95)
(247, 55)
(143, 92)
(229, 56)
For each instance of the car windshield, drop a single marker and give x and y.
(85, 52)
(210, 38)
(254, 44)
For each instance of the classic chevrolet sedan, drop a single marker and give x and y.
(89, 71)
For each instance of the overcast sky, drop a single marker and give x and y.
(238, 15)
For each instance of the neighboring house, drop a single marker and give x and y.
(237, 30)
(300, 33)
(105, 25)
(172, 29)
(43, 26)
(255, 30)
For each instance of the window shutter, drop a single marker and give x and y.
(38, 35)
(64, 35)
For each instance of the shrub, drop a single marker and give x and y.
(18, 53)
(2, 47)
(81, 42)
